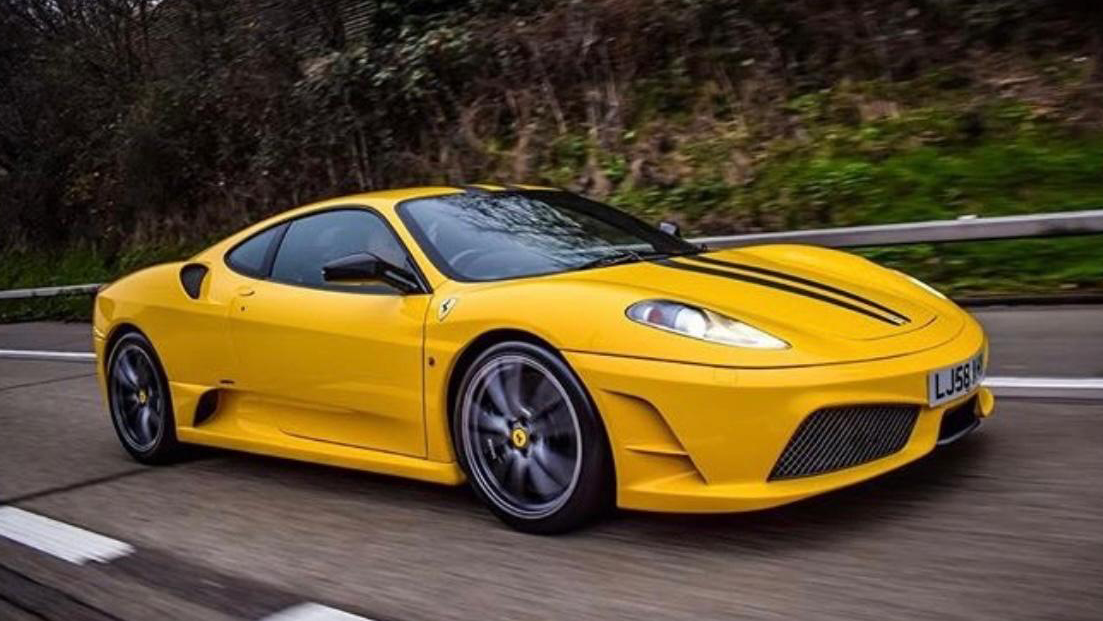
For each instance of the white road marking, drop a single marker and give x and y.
(62, 540)
(313, 612)
(56, 356)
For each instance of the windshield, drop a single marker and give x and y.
(491, 236)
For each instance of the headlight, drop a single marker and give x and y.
(924, 286)
(701, 324)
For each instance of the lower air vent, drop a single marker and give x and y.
(958, 421)
(207, 406)
(836, 438)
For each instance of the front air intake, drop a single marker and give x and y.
(832, 439)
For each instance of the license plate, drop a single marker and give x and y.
(949, 383)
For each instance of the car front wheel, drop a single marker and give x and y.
(530, 441)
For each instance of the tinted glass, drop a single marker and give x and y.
(313, 241)
(500, 235)
(249, 256)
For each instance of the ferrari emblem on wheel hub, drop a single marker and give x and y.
(519, 437)
(143, 397)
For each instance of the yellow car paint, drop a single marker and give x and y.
(362, 380)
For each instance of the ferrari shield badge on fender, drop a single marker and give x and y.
(445, 308)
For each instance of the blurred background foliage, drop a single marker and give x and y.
(133, 131)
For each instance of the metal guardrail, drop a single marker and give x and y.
(47, 355)
(48, 292)
(966, 228)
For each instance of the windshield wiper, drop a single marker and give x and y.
(613, 258)
(665, 254)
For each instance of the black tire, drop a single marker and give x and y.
(551, 430)
(136, 381)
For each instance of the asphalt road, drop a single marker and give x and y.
(1006, 524)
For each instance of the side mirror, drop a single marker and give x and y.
(368, 267)
(670, 228)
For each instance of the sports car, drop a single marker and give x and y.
(559, 355)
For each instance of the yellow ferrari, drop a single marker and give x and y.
(561, 356)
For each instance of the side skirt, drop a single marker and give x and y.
(230, 426)
(317, 452)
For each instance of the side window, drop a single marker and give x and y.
(250, 257)
(313, 241)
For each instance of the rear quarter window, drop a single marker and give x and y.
(251, 256)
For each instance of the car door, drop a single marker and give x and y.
(334, 363)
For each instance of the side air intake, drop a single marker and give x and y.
(207, 406)
(191, 278)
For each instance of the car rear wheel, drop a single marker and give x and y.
(139, 400)
(530, 441)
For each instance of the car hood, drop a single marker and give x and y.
(830, 306)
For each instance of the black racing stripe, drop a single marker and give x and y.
(754, 280)
(801, 280)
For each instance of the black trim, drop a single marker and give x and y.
(268, 253)
(277, 241)
(801, 280)
(754, 280)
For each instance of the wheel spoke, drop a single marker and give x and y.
(497, 391)
(145, 424)
(127, 373)
(544, 400)
(542, 481)
(517, 474)
(556, 466)
(551, 424)
(492, 429)
(492, 448)
(157, 402)
(145, 371)
(500, 468)
(491, 423)
(156, 421)
(131, 408)
(513, 385)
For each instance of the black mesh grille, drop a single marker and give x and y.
(835, 438)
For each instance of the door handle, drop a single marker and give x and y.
(245, 291)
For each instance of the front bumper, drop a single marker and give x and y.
(694, 438)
